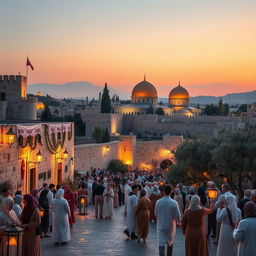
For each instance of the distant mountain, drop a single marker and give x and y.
(72, 90)
(233, 98)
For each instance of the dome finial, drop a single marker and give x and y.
(179, 82)
(144, 76)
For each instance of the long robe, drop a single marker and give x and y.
(226, 245)
(245, 236)
(61, 229)
(108, 203)
(116, 199)
(179, 200)
(127, 190)
(131, 206)
(153, 198)
(194, 231)
(142, 217)
(168, 214)
(31, 241)
(70, 197)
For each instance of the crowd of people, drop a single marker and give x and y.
(146, 198)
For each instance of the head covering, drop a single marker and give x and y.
(66, 188)
(177, 190)
(28, 209)
(142, 192)
(195, 203)
(60, 193)
(191, 189)
(232, 206)
(249, 209)
(184, 189)
(156, 190)
(34, 192)
(18, 199)
(6, 203)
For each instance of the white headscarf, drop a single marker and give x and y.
(195, 204)
(156, 190)
(232, 206)
(10, 215)
(60, 193)
(177, 190)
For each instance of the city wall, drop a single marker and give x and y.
(135, 154)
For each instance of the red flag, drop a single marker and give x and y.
(29, 64)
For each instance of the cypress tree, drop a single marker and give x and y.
(105, 101)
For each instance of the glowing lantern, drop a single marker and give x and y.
(107, 148)
(65, 154)
(41, 212)
(10, 135)
(212, 193)
(12, 241)
(83, 205)
(39, 157)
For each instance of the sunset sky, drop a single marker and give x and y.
(210, 45)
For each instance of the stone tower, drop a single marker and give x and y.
(14, 103)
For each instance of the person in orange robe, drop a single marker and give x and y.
(156, 194)
(194, 227)
(142, 216)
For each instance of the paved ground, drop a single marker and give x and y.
(92, 236)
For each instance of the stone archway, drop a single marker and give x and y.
(165, 164)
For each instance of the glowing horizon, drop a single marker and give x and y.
(208, 45)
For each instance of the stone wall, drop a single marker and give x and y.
(135, 154)
(97, 155)
(150, 154)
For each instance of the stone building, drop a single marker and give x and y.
(34, 153)
(14, 103)
(144, 155)
(144, 97)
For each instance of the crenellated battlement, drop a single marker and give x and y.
(11, 78)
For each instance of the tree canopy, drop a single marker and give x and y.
(230, 154)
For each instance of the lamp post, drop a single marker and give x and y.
(10, 136)
(12, 241)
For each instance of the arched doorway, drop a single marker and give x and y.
(165, 164)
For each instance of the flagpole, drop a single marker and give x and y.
(27, 70)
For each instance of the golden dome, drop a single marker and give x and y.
(144, 89)
(39, 93)
(39, 105)
(179, 92)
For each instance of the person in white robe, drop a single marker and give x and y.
(131, 206)
(245, 233)
(178, 198)
(90, 190)
(108, 202)
(229, 217)
(168, 216)
(61, 211)
(127, 190)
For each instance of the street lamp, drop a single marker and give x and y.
(12, 241)
(65, 154)
(39, 157)
(10, 135)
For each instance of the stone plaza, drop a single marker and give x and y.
(91, 236)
